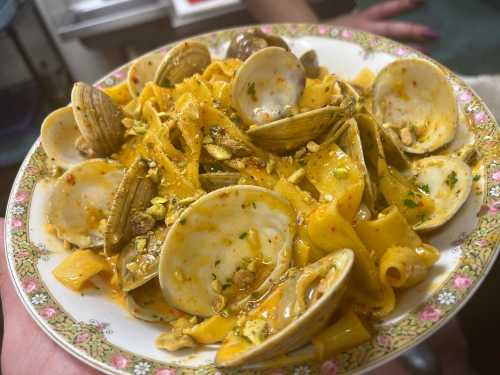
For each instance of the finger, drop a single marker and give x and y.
(4, 274)
(403, 30)
(390, 8)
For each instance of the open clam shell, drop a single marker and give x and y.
(267, 85)
(448, 181)
(238, 226)
(132, 196)
(142, 71)
(59, 135)
(350, 142)
(182, 61)
(81, 199)
(301, 306)
(414, 99)
(138, 261)
(147, 303)
(290, 133)
(98, 118)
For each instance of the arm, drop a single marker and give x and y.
(281, 11)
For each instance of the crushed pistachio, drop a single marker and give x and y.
(312, 146)
(341, 172)
(218, 152)
(140, 243)
(296, 176)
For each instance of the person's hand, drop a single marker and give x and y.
(375, 19)
(26, 349)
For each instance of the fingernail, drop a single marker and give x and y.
(431, 34)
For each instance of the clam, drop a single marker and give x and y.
(266, 92)
(98, 118)
(81, 199)
(216, 180)
(142, 71)
(131, 198)
(414, 100)
(297, 309)
(182, 61)
(147, 303)
(448, 181)
(59, 135)
(243, 45)
(247, 234)
(350, 142)
(310, 63)
(138, 261)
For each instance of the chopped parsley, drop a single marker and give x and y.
(183, 221)
(302, 162)
(409, 203)
(425, 188)
(476, 177)
(243, 235)
(251, 90)
(451, 179)
(166, 83)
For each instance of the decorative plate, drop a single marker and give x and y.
(99, 332)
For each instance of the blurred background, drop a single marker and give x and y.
(46, 45)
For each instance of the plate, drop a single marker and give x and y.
(100, 333)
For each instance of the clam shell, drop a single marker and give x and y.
(98, 118)
(243, 45)
(267, 85)
(59, 134)
(310, 63)
(309, 322)
(224, 221)
(133, 194)
(81, 198)
(147, 303)
(350, 142)
(449, 180)
(416, 93)
(182, 61)
(142, 71)
(290, 133)
(130, 279)
(217, 180)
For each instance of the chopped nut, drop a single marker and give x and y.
(271, 164)
(179, 276)
(219, 303)
(157, 211)
(140, 243)
(83, 147)
(407, 136)
(243, 279)
(312, 146)
(218, 152)
(141, 223)
(216, 286)
(296, 176)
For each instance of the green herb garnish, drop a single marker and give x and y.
(243, 235)
(409, 203)
(166, 83)
(476, 177)
(302, 162)
(451, 179)
(425, 188)
(183, 221)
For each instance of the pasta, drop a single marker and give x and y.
(245, 214)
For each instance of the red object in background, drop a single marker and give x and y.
(195, 1)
